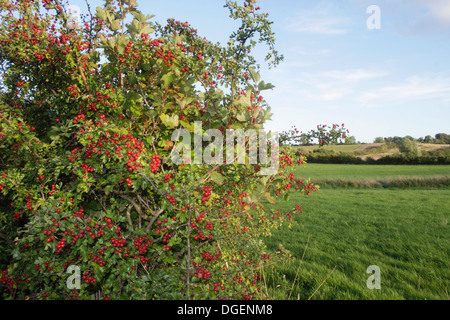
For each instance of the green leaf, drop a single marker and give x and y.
(169, 121)
(108, 189)
(122, 42)
(270, 198)
(133, 102)
(147, 30)
(115, 25)
(101, 13)
(242, 116)
(217, 177)
(265, 86)
(255, 75)
(268, 114)
(167, 79)
(189, 127)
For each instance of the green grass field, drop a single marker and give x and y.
(366, 171)
(335, 148)
(403, 231)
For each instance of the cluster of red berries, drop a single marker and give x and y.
(2, 185)
(129, 182)
(201, 272)
(28, 200)
(75, 120)
(50, 234)
(181, 45)
(46, 3)
(310, 188)
(206, 194)
(128, 48)
(119, 242)
(61, 244)
(171, 199)
(211, 257)
(156, 162)
(73, 90)
(201, 236)
(166, 56)
(47, 266)
(88, 278)
(266, 256)
(218, 285)
(86, 168)
(285, 160)
(98, 259)
(17, 215)
(142, 243)
(4, 279)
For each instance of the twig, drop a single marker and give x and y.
(265, 284)
(129, 217)
(323, 282)
(298, 270)
(155, 216)
(140, 89)
(188, 271)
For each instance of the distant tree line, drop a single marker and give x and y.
(409, 153)
(439, 138)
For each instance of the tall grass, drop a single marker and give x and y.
(318, 171)
(403, 231)
(392, 182)
(393, 216)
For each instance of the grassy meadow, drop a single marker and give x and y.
(343, 231)
(404, 176)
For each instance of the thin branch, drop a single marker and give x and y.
(131, 200)
(4, 237)
(323, 282)
(155, 216)
(140, 89)
(129, 217)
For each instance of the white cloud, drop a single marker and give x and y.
(354, 75)
(322, 19)
(424, 87)
(335, 85)
(440, 9)
(326, 26)
(310, 52)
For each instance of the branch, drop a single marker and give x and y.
(4, 237)
(155, 216)
(140, 89)
(129, 218)
(135, 205)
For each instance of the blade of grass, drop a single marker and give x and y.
(298, 270)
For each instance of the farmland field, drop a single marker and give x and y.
(404, 231)
(361, 172)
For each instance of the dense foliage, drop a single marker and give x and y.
(87, 113)
(322, 135)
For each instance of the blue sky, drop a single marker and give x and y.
(392, 81)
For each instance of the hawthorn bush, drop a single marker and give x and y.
(87, 112)
(323, 135)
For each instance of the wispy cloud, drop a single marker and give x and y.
(354, 75)
(318, 25)
(430, 87)
(439, 9)
(322, 19)
(336, 85)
